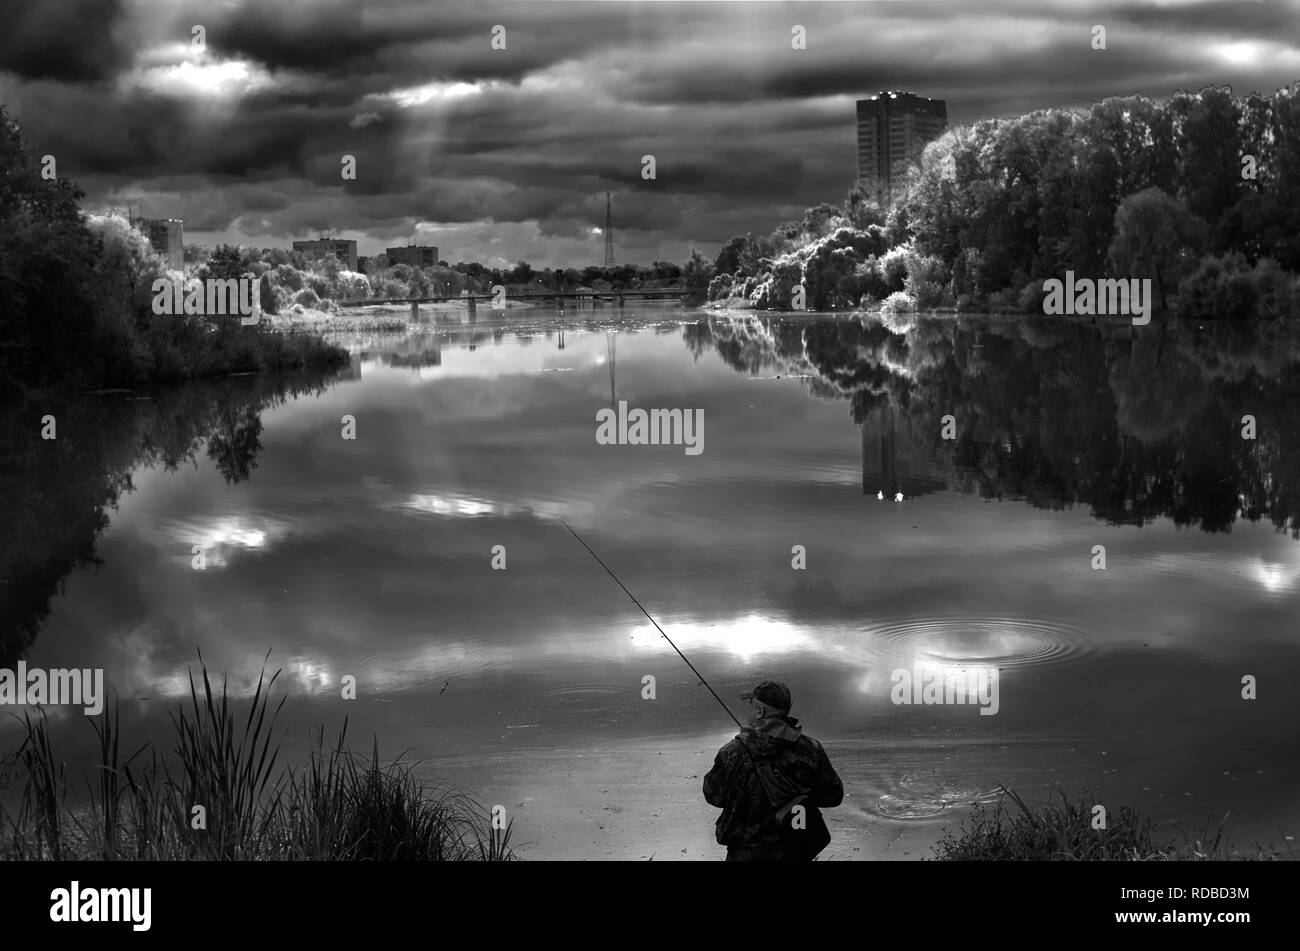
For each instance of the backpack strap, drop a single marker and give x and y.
(776, 799)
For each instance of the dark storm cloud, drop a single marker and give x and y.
(319, 38)
(73, 41)
(1223, 18)
(508, 153)
(380, 44)
(1023, 54)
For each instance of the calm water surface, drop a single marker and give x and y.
(373, 558)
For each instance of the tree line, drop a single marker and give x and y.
(76, 298)
(1200, 194)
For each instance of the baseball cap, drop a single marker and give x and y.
(771, 692)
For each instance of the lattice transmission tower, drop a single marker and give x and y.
(609, 233)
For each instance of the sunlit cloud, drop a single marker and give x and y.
(1250, 52)
(435, 92)
(309, 676)
(221, 538)
(221, 81)
(745, 637)
(441, 505)
(470, 507)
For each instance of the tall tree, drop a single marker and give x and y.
(50, 299)
(1156, 237)
(697, 273)
(1209, 152)
(861, 209)
(226, 263)
(266, 295)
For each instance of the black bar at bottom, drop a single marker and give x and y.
(472, 902)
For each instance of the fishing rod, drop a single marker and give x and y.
(655, 623)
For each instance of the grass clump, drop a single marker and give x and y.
(1063, 832)
(338, 807)
(349, 807)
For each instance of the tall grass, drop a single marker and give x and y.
(338, 806)
(227, 771)
(1063, 832)
(42, 803)
(344, 806)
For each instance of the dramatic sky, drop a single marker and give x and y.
(501, 155)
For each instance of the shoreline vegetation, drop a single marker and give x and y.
(76, 305)
(1065, 831)
(1199, 194)
(387, 318)
(79, 308)
(143, 806)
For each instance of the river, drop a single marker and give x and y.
(426, 558)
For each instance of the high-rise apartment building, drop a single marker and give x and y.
(167, 235)
(893, 129)
(344, 250)
(417, 255)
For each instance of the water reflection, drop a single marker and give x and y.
(59, 492)
(373, 557)
(1135, 425)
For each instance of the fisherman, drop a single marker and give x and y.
(769, 782)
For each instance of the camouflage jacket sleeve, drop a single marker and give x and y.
(827, 790)
(732, 786)
(715, 781)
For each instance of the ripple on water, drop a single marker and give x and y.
(917, 796)
(582, 692)
(419, 661)
(1247, 577)
(1002, 642)
(589, 700)
(1191, 562)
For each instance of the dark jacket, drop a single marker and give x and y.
(798, 764)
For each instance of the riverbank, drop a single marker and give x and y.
(190, 351)
(560, 803)
(374, 317)
(642, 800)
